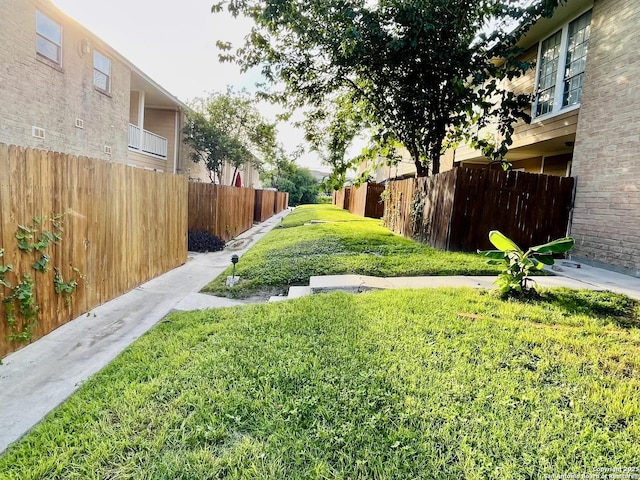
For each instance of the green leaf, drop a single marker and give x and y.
(495, 262)
(560, 245)
(546, 259)
(536, 264)
(495, 254)
(502, 242)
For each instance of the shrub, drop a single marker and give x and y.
(201, 241)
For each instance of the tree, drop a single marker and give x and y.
(228, 128)
(299, 182)
(417, 71)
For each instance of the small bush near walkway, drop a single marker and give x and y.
(202, 241)
(449, 383)
(326, 240)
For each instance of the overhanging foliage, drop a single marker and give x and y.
(412, 72)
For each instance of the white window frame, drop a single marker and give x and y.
(106, 74)
(558, 108)
(57, 61)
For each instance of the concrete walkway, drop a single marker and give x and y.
(563, 274)
(40, 376)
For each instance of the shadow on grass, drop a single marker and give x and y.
(623, 311)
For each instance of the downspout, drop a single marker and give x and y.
(175, 142)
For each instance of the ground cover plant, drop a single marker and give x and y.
(341, 243)
(202, 241)
(447, 383)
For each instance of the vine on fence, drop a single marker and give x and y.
(419, 224)
(20, 305)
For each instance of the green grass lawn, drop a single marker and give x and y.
(448, 383)
(345, 244)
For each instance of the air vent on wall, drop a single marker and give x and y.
(107, 149)
(79, 123)
(37, 132)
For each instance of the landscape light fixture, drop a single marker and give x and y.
(234, 260)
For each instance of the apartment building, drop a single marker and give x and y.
(64, 89)
(585, 123)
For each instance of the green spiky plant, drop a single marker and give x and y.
(514, 279)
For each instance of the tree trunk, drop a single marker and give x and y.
(421, 169)
(436, 164)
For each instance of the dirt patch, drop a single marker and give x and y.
(237, 244)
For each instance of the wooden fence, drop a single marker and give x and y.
(282, 201)
(221, 210)
(457, 209)
(122, 227)
(397, 207)
(337, 197)
(364, 201)
(264, 205)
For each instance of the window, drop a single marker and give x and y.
(101, 72)
(48, 38)
(561, 65)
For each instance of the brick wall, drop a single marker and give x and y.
(35, 93)
(606, 162)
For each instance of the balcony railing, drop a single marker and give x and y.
(147, 142)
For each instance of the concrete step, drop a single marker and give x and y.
(346, 283)
(278, 298)
(297, 292)
(364, 283)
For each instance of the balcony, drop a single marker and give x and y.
(147, 142)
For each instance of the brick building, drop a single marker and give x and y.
(64, 89)
(606, 158)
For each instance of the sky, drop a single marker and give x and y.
(173, 42)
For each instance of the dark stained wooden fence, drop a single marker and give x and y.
(461, 206)
(282, 201)
(220, 210)
(397, 206)
(122, 227)
(364, 201)
(374, 206)
(264, 205)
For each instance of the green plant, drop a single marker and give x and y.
(26, 233)
(3, 270)
(21, 308)
(519, 264)
(25, 236)
(41, 264)
(385, 196)
(203, 241)
(22, 293)
(66, 289)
